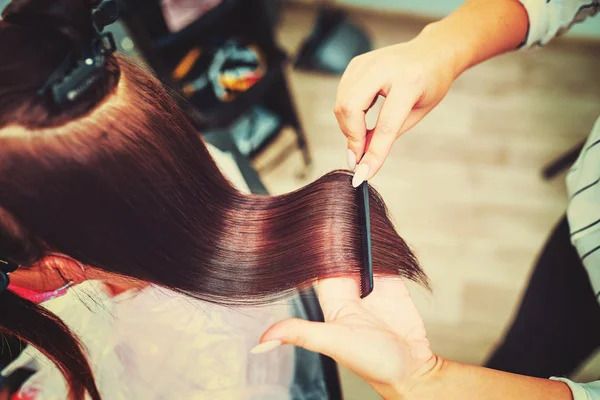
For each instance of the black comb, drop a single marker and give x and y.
(366, 270)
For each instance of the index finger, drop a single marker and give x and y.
(350, 111)
(394, 112)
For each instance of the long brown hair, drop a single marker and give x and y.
(122, 182)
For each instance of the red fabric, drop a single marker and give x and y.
(36, 297)
(30, 394)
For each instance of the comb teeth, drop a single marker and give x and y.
(366, 270)
(365, 287)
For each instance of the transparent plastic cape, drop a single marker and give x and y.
(157, 344)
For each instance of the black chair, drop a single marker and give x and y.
(562, 162)
(248, 19)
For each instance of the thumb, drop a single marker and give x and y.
(318, 337)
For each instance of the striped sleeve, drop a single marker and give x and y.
(583, 210)
(582, 391)
(551, 18)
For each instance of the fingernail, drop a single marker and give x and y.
(351, 160)
(266, 346)
(360, 174)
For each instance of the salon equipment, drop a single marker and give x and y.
(250, 130)
(366, 271)
(334, 42)
(165, 50)
(6, 267)
(84, 66)
(229, 68)
(79, 72)
(562, 162)
(105, 13)
(189, 349)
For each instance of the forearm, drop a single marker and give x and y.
(477, 31)
(451, 380)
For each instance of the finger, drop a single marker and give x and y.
(350, 110)
(394, 112)
(328, 339)
(413, 118)
(334, 293)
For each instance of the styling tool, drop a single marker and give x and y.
(366, 271)
(6, 267)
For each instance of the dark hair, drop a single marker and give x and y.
(123, 183)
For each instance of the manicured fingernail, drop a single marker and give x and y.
(266, 346)
(351, 160)
(360, 174)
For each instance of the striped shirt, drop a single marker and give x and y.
(548, 19)
(583, 212)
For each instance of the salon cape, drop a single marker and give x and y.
(156, 344)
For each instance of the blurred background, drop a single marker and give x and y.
(475, 188)
(466, 186)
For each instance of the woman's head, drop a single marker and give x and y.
(128, 187)
(120, 182)
(99, 172)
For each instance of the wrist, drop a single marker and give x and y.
(424, 381)
(448, 53)
(479, 30)
(449, 379)
(419, 384)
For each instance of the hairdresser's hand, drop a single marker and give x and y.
(381, 338)
(413, 77)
